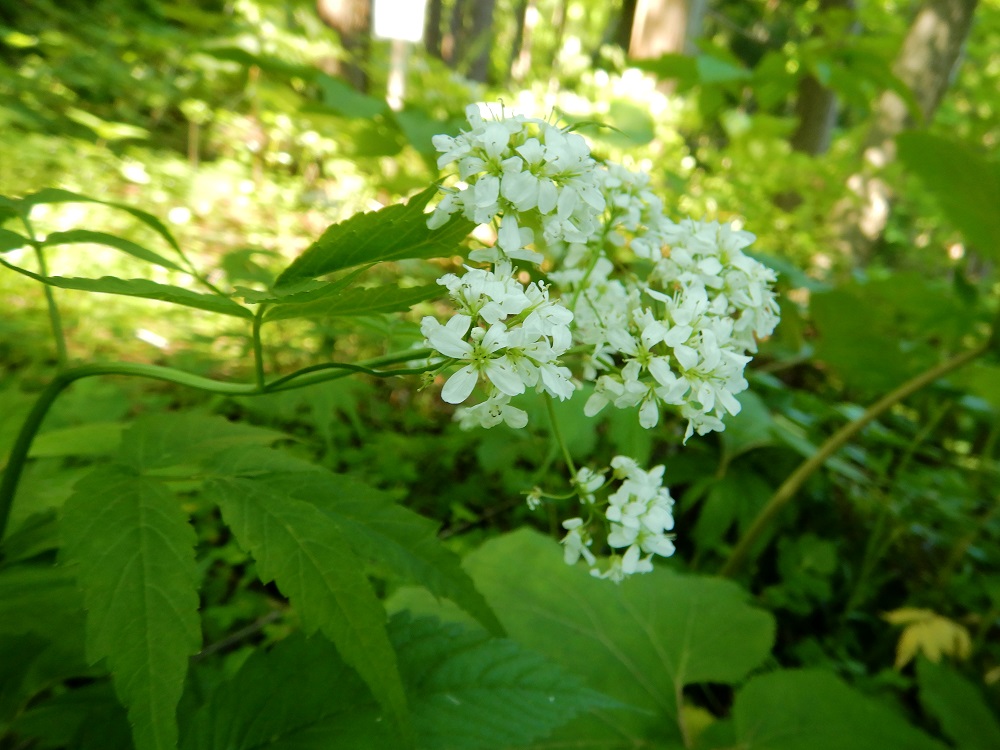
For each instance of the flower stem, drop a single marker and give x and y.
(55, 319)
(557, 434)
(258, 347)
(787, 491)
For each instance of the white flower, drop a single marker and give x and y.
(480, 352)
(576, 543)
(491, 412)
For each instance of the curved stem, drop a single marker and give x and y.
(786, 492)
(55, 319)
(258, 347)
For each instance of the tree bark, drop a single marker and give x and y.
(662, 27)
(432, 29)
(926, 65)
(817, 105)
(351, 19)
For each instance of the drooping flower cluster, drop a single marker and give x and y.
(660, 315)
(635, 518)
(507, 335)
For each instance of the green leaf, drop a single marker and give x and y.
(959, 707)
(683, 68)
(712, 69)
(751, 428)
(143, 288)
(159, 440)
(38, 599)
(466, 691)
(97, 439)
(12, 240)
(309, 557)
(341, 98)
(814, 710)
(392, 233)
(133, 549)
(639, 642)
(395, 538)
(965, 184)
(102, 238)
(383, 299)
(56, 195)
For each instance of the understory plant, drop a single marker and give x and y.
(576, 286)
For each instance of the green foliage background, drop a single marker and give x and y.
(206, 562)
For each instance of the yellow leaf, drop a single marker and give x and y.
(929, 633)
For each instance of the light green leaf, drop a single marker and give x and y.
(97, 439)
(814, 710)
(639, 642)
(965, 184)
(959, 706)
(133, 550)
(309, 557)
(396, 539)
(142, 288)
(392, 233)
(382, 299)
(466, 691)
(345, 100)
(56, 195)
(76, 236)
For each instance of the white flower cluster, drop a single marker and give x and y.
(509, 335)
(680, 336)
(663, 315)
(635, 518)
(526, 172)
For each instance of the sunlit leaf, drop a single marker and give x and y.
(76, 236)
(392, 233)
(133, 549)
(927, 632)
(12, 240)
(813, 710)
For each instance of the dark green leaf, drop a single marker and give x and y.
(813, 710)
(102, 238)
(466, 690)
(382, 299)
(400, 541)
(12, 240)
(392, 233)
(965, 184)
(309, 557)
(133, 550)
(145, 289)
(959, 707)
(639, 642)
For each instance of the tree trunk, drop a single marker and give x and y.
(351, 19)
(817, 106)
(661, 27)
(482, 35)
(469, 42)
(522, 64)
(432, 29)
(926, 64)
(622, 33)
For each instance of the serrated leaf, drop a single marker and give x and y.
(85, 718)
(12, 240)
(639, 642)
(309, 557)
(466, 690)
(395, 538)
(965, 184)
(813, 710)
(160, 440)
(78, 236)
(56, 195)
(927, 632)
(145, 289)
(38, 599)
(392, 233)
(133, 550)
(959, 707)
(382, 299)
(96, 439)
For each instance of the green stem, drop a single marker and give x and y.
(258, 347)
(787, 491)
(55, 319)
(557, 434)
(22, 443)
